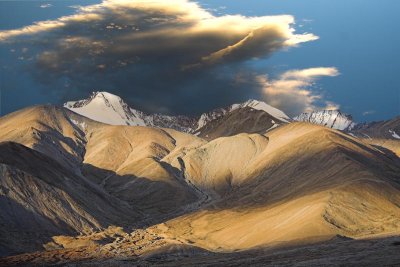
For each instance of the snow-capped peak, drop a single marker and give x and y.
(111, 109)
(330, 118)
(260, 105)
(107, 108)
(251, 103)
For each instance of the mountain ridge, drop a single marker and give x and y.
(334, 119)
(111, 109)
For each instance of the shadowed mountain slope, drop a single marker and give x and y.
(40, 198)
(384, 134)
(244, 120)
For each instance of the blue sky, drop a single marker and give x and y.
(360, 38)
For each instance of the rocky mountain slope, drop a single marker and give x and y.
(329, 118)
(76, 190)
(242, 120)
(382, 134)
(42, 190)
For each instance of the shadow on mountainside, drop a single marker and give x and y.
(23, 230)
(156, 201)
(317, 168)
(40, 198)
(35, 186)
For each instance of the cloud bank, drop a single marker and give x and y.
(164, 56)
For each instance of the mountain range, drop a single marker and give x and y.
(111, 109)
(97, 182)
(252, 116)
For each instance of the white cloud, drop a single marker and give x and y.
(292, 90)
(331, 106)
(187, 18)
(368, 112)
(45, 5)
(309, 74)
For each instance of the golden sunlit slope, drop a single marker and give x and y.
(299, 183)
(129, 163)
(48, 129)
(308, 183)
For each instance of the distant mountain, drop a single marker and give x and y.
(329, 118)
(252, 116)
(107, 108)
(381, 134)
(239, 120)
(389, 129)
(111, 109)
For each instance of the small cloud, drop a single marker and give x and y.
(45, 5)
(310, 74)
(331, 106)
(368, 112)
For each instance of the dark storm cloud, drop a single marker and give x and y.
(163, 56)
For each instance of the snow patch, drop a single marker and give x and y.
(259, 105)
(366, 135)
(273, 127)
(80, 125)
(394, 134)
